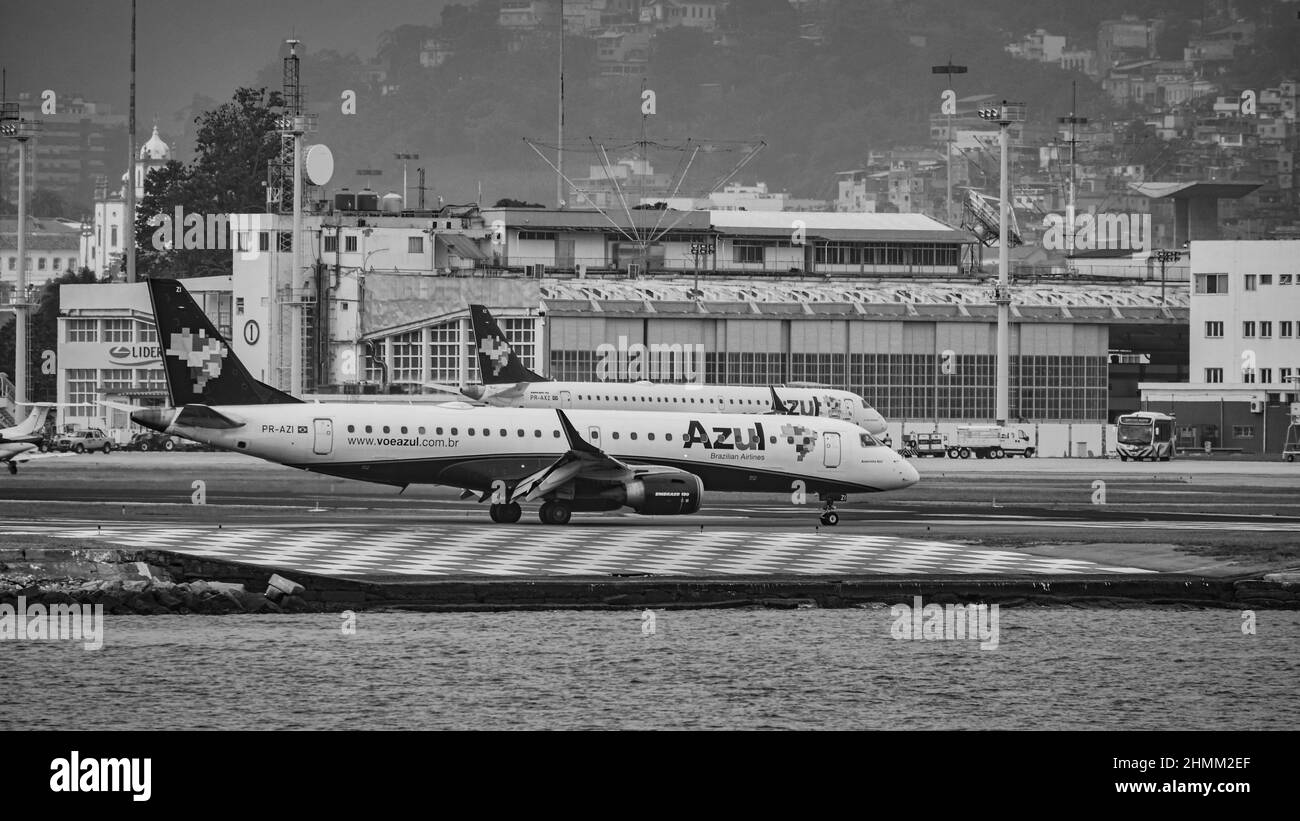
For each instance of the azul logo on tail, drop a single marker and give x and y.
(202, 355)
(199, 364)
(497, 352)
(497, 361)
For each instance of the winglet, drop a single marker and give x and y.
(576, 442)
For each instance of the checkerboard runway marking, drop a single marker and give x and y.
(379, 550)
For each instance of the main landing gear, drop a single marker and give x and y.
(505, 514)
(551, 513)
(555, 513)
(829, 517)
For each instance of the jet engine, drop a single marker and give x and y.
(669, 493)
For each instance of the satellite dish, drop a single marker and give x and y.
(318, 163)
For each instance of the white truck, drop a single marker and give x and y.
(989, 442)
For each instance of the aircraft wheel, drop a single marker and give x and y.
(555, 513)
(830, 518)
(13, 469)
(505, 514)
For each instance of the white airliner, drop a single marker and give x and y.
(19, 443)
(653, 463)
(507, 383)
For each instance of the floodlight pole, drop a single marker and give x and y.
(14, 127)
(20, 291)
(1004, 115)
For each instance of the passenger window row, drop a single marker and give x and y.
(520, 432)
(671, 400)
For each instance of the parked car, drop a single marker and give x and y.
(151, 440)
(83, 441)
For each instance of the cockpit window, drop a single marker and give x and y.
(869, 441)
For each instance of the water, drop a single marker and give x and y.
(1055, 668)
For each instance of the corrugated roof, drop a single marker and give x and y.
(853, 234)
(825, 220)
(1084, 302)
(542, 219)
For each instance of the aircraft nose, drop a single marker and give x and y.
(874, 423)
(907, 475)
(158, 419)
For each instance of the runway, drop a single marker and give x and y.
(1004, 520)
(374, 551)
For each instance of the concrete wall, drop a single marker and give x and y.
(1273, 303)
(393, 300)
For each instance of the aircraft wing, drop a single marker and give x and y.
(583, 460)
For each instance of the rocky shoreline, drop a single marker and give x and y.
(128, 584)
(148, 582)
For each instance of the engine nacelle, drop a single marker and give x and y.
(661, 494)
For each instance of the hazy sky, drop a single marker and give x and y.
(183, 47)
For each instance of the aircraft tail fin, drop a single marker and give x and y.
(35, 420)
(497, 361)
(200, 366)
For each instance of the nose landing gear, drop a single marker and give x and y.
(829, 517)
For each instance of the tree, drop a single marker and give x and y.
(234, 146)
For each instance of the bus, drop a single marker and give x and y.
(1145, 435)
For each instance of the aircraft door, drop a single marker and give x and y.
(566, 399)
(593, 436)
(831, 449)
(324, 441)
